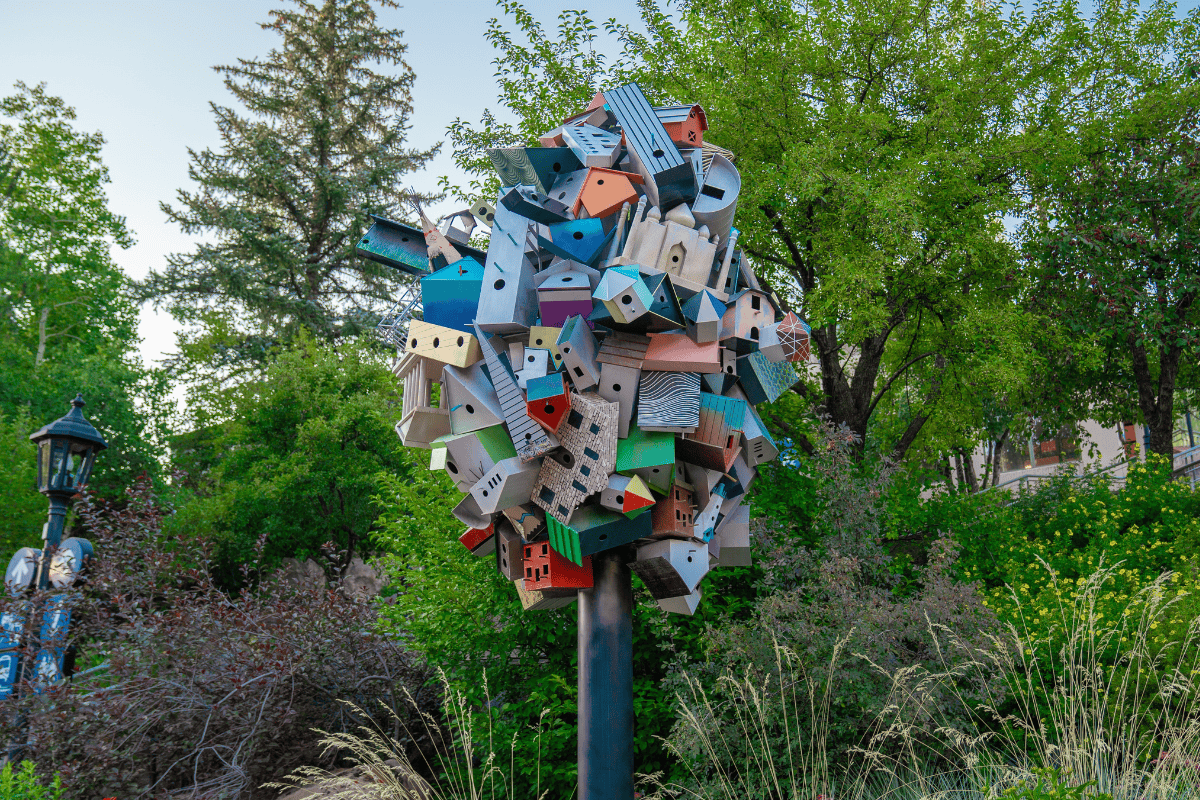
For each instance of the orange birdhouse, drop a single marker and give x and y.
(605, 191)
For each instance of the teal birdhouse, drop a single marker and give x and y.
(450, 296)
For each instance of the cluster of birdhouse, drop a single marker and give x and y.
(597, 367)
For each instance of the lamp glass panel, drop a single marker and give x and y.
(43, 478)
(58, 463)
(87, 457)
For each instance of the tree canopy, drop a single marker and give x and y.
(318, 147)
(67, 320)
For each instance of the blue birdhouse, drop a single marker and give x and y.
(450, 296)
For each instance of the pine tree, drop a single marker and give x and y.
(285, 199)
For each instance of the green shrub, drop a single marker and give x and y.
(24, 784)
(1035, 556)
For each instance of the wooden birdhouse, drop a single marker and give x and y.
(578, 240)
(548, 399)
(757, 445)
(671, 568)
(705, 523)
(672, 244)
(450, 296)
(763, 380)
(578, 347)
(716, 441)
(669, 180)
(604, 192)
(546, 569)
(510, 556)
(537, 167)
(673, 515)
(468, 513)
(593, 529)
(480, 541)
(527, 520)
(716, 202)
(529, 438)
(678, 352)
(396, 245)
(589, 436)
(684, 124)
(472, 401)
(669, 401)
(649, 455)
(420, 423)
(665, 311)
(535, 363)
(546, 338)
(439, 343)
(624, 293)
(508, 303)
(703, 312)
(734, 533)
(544, 599)
(627, 495)
(507, 483)
(591, 145)
(786, 340)
(567, 188)
(467, 457)
(748, 313)
(620, 360)
(563, 294)
(685, 605)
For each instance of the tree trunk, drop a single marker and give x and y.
(41, 348)
(999, 445)
(969, 470)
(1156, 399)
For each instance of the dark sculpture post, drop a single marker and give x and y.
(606, 681)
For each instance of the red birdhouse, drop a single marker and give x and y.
(548, 400)
(545, 569)
(480, 541)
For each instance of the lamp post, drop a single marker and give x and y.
(67, 450)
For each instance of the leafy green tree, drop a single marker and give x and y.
(67, 320)
(1117, 240)
(879, 147)
(294, 457)
(24, 509)
(285, 199)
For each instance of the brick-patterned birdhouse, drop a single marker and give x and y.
(545, 569)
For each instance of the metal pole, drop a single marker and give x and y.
(606, 681)
(52, 537)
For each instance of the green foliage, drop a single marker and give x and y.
(836, 611)
(1050, 784)
(23, 783)
(24, 509)
(1113, 234)
(285, 200)
(295, 457)
(1036, 563)
(67, 322)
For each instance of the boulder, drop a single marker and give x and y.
(361, 580)
(304, 575)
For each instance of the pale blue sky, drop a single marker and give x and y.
(140, 72)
